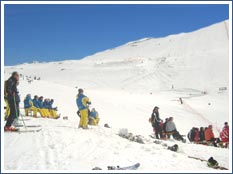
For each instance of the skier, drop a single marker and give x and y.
(171, 128)
(13, 101)
(82, 102)
(224, 135)
(94, 117)
(202, 134)
(156, 122)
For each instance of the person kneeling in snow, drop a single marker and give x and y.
(171, 128)
(82, 102)
(93, 117)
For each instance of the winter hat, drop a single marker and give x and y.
(80, 90)
(14, 73)
(156, 107)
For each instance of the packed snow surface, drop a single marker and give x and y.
(124, 84)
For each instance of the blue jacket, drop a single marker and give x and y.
(46, 105)
(36, 103)
(27, 102)
(82, 101)
(93, 114)
(40, 103)
(50, 104)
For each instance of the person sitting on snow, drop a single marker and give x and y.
(44, 110)
(209, 135)
(36, 104)
(53, 111)
(224, 135)
(28, 106)
(82, 102)
(171, 128)
(94, 117)
(202, 134)
(191, 134)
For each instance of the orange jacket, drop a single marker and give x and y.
(209, 134)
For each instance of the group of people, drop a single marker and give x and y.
(86, 115)
(207, 135)
(40, 105)
(163, 129)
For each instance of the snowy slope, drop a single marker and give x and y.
(124, 84)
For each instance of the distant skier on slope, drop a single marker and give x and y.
(156, 122)
(82, 102)
(13, 100)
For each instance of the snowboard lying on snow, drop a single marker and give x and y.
(133, 167)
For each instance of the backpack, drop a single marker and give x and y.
(5, 91)
(150, 119)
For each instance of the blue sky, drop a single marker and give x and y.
(59, 32)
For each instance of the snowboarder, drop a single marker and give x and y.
(13, 100)
(156, 122)
(82, 102)
(171, 128)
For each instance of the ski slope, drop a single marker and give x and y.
(124, 84)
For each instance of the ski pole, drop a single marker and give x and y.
(17, 114)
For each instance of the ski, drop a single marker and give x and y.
(24, 131)
(28, 126)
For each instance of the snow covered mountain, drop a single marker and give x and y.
(124, 84)
(186, 60)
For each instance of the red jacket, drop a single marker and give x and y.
(197, 138)
(224, 135)
(209, 134)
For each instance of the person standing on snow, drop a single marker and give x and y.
(82, 102)
(156, 122)
(13, 100)
(224, 135)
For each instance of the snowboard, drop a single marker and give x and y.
(133, 167)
